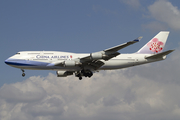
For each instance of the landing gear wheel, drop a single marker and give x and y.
(87, 73)
(23, 74)
(80, 78)
(90, 74)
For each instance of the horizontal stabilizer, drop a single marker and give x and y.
(159, 55)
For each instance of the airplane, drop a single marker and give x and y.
(84, 65)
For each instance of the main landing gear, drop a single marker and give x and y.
(86, 73)
(23, 74)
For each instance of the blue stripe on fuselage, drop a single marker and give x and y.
(17, 62)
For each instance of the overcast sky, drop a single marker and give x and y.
(146, 92)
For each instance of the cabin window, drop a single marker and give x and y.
(17, 53)
(34, 53)
(49, 53)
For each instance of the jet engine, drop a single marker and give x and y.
(70, 63)
(103, 55)
(63, 73)
(97, 55)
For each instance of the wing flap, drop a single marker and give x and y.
(96, 64)
(111, 55)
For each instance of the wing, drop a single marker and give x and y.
(94, 60)
(117, 48)
(110, 52)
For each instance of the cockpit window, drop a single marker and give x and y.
(17, 53)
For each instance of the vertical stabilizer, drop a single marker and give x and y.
(156, 44)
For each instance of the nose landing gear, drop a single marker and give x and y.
(23, 74)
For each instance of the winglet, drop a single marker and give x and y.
(138, 39)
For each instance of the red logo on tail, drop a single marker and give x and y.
(155, 45)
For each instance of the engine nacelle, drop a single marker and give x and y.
(63, 73)
(69, 63)
(96, 55)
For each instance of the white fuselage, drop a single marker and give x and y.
(66, 63)
(45, 60)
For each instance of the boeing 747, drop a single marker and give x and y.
(84, 65)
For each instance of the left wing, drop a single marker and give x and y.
(93, 61)
(116, 48)
(110, 52)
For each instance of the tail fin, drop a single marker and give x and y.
(156, 44)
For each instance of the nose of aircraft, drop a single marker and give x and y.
(10, 61)
(7, 61)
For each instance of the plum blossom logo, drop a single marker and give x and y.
(155, 45)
